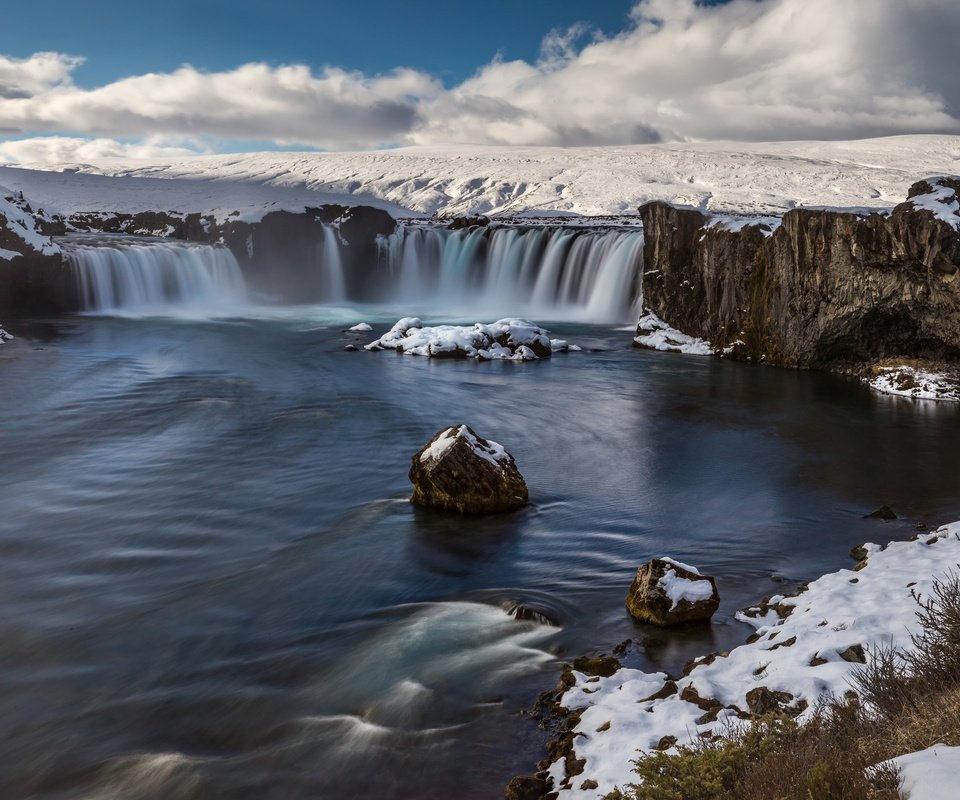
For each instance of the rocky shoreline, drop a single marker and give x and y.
(804, 651)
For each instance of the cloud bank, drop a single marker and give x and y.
(745, 70)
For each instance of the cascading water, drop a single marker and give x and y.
(127, 274)
(578, 273)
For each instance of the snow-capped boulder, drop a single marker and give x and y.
(666, 592)
(4, 336)
(457, 470)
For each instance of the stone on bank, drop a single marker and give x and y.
(458, 470)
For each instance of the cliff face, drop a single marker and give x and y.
(824, 289)
(33, 277)
(279, 253)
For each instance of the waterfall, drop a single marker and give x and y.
(333, 264)
(588, 274)
(124, 274)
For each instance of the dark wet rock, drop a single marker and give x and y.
(854, 654)
(692, 696)
(621, 649)
(700, 661)
(525, 613)
(708, 716)
(669, 688)
(572, 765)
(457, 223)
(826, 289)
(526, 787)
(602, 665)
(762, 701)
(666, 742)
(457, 470)
(785, 643)
(665, 593)
(884, 512)
(859, 553)
(350, 348)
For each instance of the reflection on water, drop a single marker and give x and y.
(214, 588)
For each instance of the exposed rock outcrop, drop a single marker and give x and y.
(279, 252)
(457, 470)
(33, 277)
(666, 592)
(824, 289)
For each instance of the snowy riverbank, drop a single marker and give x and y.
(805, 649)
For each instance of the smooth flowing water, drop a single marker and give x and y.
(213, 585)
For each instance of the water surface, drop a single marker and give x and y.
(213, 586)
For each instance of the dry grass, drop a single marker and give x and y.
(909, 701)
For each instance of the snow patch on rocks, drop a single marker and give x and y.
(734, 223)
(654, 333)
(505, 339)
(4, 336)
(807, 647)
(488, 450)
(921, 384)
(942, 200)
(22, 221)
(361, 327)
(678, 588)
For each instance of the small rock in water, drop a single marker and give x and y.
(884, 512)
(361, 327)
(666, 592)
(457, 470)
(350, 348)
(524, 613)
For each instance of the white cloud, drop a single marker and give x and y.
(24, 77)
(286, 104)
(68, 149)
(749, 69)
(774, 69)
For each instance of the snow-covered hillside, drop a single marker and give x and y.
(75, 191)
(722, 177)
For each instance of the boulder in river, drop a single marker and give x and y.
(666, 592)
(458, 470)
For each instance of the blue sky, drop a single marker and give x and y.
(101, 78)
(446, 38)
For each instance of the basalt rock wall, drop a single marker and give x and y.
(824, 289)
(280, 253)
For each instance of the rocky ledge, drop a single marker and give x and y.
(818, 288)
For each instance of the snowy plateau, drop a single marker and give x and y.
(737, 178)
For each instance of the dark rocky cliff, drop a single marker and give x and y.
(824, 289)
(278, 254)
